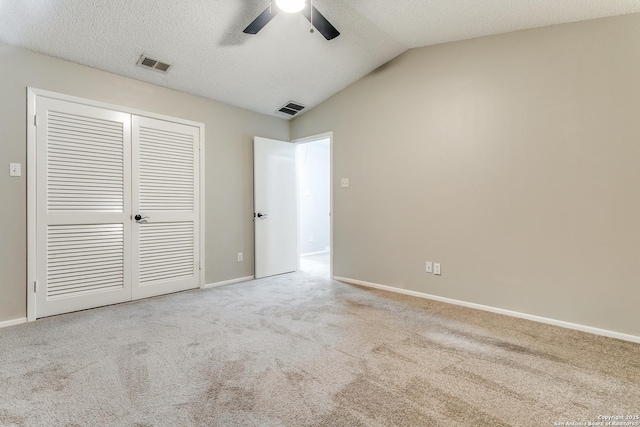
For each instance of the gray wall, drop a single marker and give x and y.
(314, 160)
(513, 160)
(229, 161)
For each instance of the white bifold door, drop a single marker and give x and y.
(117, 206)
(165, 189)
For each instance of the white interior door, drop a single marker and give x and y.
(83, 236)
(97, 169)
(165, 198)
(275, 206)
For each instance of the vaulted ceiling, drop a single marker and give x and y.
(213, 58)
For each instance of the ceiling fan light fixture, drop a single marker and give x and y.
(291, 6)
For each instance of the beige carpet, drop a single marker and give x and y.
(303, 350)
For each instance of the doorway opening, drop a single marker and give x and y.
(313, 164)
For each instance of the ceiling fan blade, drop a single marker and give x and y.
(262, 20)
(320, 22)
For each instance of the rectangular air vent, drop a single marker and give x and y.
(292, 108)
(153, 64)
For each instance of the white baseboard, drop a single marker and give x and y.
(561, 323)
(314, 253)
(13, 322)
(228, 282)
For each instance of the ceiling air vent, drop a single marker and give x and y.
(154, 64)
(292, 108)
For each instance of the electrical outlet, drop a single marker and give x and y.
(239, 256)
(15, 169)
(436, 268)
(344, 182)
(429, 267)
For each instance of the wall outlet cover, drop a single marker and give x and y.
(429, 267)
(344, 183)
(15, 169)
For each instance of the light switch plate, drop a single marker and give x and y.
(15, 169)
(344, 183)
(436, 268)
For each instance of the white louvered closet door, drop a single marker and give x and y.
(83, 235)
(165, 194)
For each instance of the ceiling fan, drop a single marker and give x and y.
(294, 6)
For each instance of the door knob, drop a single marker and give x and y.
(140, 217)
(261, 215)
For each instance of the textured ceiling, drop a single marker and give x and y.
(212, 58)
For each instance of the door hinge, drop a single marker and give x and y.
(200, 265)
(35, 120)
(35, 286)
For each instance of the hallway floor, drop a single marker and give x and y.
(316, 265)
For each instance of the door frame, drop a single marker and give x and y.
(305, 140)
(32, 97)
